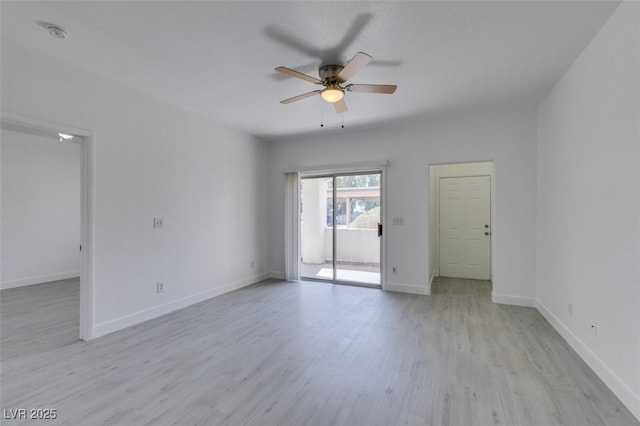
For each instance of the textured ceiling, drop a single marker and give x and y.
(217, 58)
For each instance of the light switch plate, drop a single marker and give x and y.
(398, 221)
(158, 222)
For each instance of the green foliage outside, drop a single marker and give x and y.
(367, 220)
(356, 181)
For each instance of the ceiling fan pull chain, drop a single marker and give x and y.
(321, 114)
(342, 120)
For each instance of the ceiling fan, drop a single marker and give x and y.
(333, 78)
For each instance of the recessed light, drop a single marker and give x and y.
(57, 31)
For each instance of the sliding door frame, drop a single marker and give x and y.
(382, 245)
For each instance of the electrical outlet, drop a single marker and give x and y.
(159, 287)
(594, 328)
(570, 308)
(158, 222)
(394, 269)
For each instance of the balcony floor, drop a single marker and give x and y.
(363, 274)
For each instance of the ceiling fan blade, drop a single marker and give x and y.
(340, 106)
(297, 98)
(372, 88)
(298, 74)
(359, 61)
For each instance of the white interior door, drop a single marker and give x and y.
(465, 227)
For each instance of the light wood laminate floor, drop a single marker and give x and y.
(280, 353)
(38, 318)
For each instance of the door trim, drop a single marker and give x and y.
(438, 170)
(38, 126)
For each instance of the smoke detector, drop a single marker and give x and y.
(57, 31)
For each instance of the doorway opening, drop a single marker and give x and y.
(461, 220)
(45, 290)
(341, 228)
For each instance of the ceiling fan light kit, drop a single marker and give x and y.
(332, 77)
(332, 94)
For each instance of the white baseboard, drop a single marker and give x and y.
(433, 277)
(276, 275)
(617, 386)
(506, 299)
(156, 311)
(40, 279)
(408, 288)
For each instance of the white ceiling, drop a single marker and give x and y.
(217, 58)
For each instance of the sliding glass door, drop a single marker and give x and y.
(341, 228)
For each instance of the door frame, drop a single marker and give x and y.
(27, 124)
(347, 171)
(462, 169)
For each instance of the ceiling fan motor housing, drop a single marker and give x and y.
(328, 73)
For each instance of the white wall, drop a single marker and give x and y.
(507, 137)
(40, 209)
(589, 204)
(151, 159)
